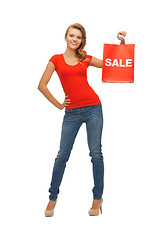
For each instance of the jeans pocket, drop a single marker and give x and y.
(68, 110)
(93, 106)
(98, 106)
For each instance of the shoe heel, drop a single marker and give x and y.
(101, 209)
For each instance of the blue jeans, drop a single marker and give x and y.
(73, 119)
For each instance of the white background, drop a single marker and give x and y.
(135, 133)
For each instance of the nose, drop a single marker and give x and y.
(74, 38)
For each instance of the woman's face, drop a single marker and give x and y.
(73, 38)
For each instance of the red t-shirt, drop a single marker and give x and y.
(74, 82)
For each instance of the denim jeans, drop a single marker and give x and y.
(73, 119)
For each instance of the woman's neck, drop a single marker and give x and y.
(70, 53)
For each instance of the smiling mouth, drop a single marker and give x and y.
(73, 43)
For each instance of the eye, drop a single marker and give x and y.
(79, 37)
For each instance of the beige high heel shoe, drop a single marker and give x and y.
(95, 212)
(50, 213)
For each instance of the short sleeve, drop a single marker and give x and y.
(88, 59)
(53, 59)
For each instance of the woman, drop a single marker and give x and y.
(82, 105)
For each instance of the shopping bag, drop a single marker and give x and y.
(118, 63)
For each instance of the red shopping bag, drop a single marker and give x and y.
(118, 63)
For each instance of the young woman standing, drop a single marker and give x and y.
(82, 105)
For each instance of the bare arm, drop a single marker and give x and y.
(95, 62)
(42, 87)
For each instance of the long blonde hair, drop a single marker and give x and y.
(81, 54)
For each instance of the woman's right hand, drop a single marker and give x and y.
(123, 33)
(65, 103)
